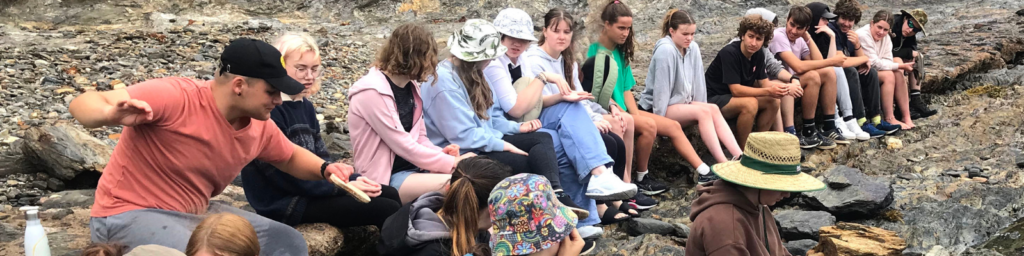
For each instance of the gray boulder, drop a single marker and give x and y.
(796, 225)
(865, 196)
(70, 198)
(800, 247)
(640, 226)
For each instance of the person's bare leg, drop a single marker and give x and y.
(697, 113)
(888, 80)
(902, 97)
(787, 106)
(827, 94)
(778, 127)
(418, 184)
(744, 109)
(768, 109)
(672, 129)
(811, 81)
(724, 132)
(913, 78)
(646, 132)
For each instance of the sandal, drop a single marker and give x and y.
(608, 217)
(625, 207)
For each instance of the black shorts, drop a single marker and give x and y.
(720, 100)
(907, 54)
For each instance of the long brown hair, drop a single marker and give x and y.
(224, 234)
(883, 15)
(472, 75)
(102, 249)
(410, 51)
(612, 11)
(551, 20)
(471, 184)
(673, 19)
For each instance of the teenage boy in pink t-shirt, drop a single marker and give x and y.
(185, 140)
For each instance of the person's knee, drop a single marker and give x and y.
(810, 79)
(898, 60)
(748, 105)
(827, 74)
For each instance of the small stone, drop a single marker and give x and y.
(12, 182)
(979, 179)
(954, 173)
(909, 176)
(893, 143)
(117, 84)
(55, 184)
(41, 63)
(39, 184)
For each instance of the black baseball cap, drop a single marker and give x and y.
(820, 10)
(258, 59)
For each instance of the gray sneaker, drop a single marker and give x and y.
(827, 139)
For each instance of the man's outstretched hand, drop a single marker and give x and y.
(130, 112)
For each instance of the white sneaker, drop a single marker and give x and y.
(844, 131)
(608, 187)
(853, 127)
(590, 232)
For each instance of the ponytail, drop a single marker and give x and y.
(612, 11)
(471, 184)
(673, 19)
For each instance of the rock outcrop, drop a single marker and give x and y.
(64, 150)
(851, 194)
(796, 225)
(855, 239)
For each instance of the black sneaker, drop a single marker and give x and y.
(827, 141)
(918, 107)
(649, 186)
(807, 142)
(588, 247)
(567, 201)
(642, 202)
(705, 178)
(836, 137)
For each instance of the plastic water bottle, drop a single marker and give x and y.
(36, 243)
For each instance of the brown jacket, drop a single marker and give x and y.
(725, 222)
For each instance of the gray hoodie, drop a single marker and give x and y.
(424, 224)
(673, 78)
(537, 60)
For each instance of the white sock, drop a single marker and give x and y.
(640, 175)
(703, 169)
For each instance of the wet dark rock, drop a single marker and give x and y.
(796, 224)
(864, 198)
(54, 184)
(39, 184)
(800, 247)
(639, 226)
(1020, 159)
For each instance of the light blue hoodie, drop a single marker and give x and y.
(450, 118)
(673, 78)
(537, 60)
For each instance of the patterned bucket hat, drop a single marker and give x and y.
(771, 161)
(526, 216)
(478, 40)
(515, 23)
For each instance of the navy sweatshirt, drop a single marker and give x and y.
(278, 195)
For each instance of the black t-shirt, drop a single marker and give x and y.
(732, 67)
(898, 40)
(843, 43)
(406, 106)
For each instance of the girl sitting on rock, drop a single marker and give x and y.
(875, 40)
(389, 135)
(676, 90)
(279, 196)
(446, 224)
(616, 39)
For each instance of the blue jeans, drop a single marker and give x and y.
(580, 149)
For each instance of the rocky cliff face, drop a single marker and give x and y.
(951, 186)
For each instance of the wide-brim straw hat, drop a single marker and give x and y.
(477, 40)
(771, 161)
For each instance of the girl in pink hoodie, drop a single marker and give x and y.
(385, 118)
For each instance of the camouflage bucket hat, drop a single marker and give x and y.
(527, 216)
(477, 40)
(919, 16)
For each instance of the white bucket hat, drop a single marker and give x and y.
(515, 23)
(477, 40)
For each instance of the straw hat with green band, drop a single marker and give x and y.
(771, 161)
(601, 76)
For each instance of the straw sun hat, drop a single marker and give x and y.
(771, 161)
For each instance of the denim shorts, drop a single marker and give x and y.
(399, 177)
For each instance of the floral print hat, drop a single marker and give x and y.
(526, 216)
(478, 40)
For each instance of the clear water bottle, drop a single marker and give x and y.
(36, 243)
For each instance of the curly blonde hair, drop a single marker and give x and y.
(755, 23)
(299, 43)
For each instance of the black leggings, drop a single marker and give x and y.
(617, 150)
(344, 211)
(541, 159)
